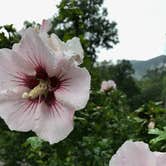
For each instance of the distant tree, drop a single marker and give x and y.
(164, 91)
(122, 74)
(153, 85)
(87, 20)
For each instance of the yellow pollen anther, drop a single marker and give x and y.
(39, 90)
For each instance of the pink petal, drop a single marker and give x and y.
(18, 114)
(133, 154)
(75, 91)
(54, 123)
(12, 108)
(55, 44)
(11, 62)
(46, 25)
(11, 93)
(104, 86)
(161, 159)
(11, 67)
(34, 51)
(107, 85)
(74, 50)
(111, 84)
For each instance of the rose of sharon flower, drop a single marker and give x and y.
(137, 154)
(107, 85)
(40, 90)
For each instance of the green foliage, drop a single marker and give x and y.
(153, 85)
(152, 112)
(122, 74)
(34, 142)
(33, 24)
(8, 36)
(160, 135)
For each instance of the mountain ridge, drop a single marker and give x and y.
(141, 66)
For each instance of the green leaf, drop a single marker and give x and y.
(35, 142)
(161, 135)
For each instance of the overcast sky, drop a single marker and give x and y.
(141, 24)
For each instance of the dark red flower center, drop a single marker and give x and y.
(42, 86)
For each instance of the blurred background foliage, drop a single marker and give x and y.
(136, 110)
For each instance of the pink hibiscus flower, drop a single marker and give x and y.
(107, 85)
(137, 154)
(40, 89)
